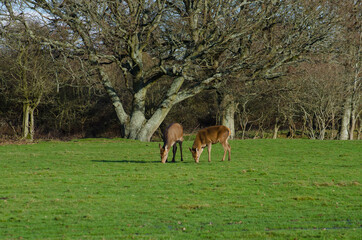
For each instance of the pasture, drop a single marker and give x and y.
(118, 189)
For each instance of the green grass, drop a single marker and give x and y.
(118, 189)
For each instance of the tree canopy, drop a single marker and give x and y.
(185, 46)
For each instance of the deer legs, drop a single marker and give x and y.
(209, 150)
(180, 143)
(174, 150)
(227, 148)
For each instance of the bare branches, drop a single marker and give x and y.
(199, 42)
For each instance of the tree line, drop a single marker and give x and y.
(128, 68)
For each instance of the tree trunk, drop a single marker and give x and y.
(322, 133)
(32, 123)
(322, 126)
(243, 119)
(153, 123)
(243, 126)
(276, 129)
(304, 127)
(173, 97)
(343, 135)
(353, 124)
(138, 118)
(333, 126)
(228, 109)
(355, 103)
(26, 131)
(356, 93)
(28, 122)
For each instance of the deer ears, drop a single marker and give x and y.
(193, 150)
(160, 146)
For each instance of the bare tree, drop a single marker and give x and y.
(27, 74)
(320, 97)
(349, 50)
(286, 32)
(188, 45)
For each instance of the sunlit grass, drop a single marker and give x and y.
(118, 189)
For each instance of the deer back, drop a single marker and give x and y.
(173, 133)
(212, 134)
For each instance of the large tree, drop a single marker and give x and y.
(189, 46)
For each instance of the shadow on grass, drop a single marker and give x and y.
(138, 161)
(125, 161)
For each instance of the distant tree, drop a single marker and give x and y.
(348, 46)
(320, 97)
(26, 75)
(280, 104)
(9, 106)
(285, 33)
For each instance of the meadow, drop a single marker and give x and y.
(118, 189)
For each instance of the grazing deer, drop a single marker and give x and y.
(173, 134)
(207, 137)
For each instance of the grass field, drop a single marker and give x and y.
(118, 189)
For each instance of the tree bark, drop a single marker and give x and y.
(333, 127)
(353, 124)
(355, 101)
(138, 118)
(353, 98)
(28, 122)
(32, 123)
(276, 129)
(152, 124)
(243, 119)
(244, 125)
(322, 133)
(228, 108)
(292, 128)
(26, 130)
(346, 119)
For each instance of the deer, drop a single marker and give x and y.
(207, 137)
(173, 135)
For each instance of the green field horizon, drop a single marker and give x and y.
(119, 189)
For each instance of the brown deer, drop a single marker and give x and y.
(207, 137)
(173, 134)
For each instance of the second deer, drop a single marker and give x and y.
(207, 137)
